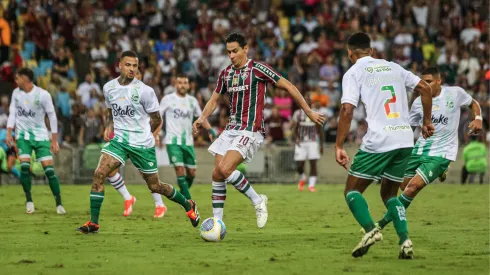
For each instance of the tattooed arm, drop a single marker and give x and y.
(109, 124)
(155, 121)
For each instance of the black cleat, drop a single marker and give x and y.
(89, 227)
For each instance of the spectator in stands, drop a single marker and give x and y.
(82, 61)
(61, 63)
(274, 127)
(475, 157)
(99, 55)
(470, 67)
(5, 37)
(329, 71)
(162, 46)
(284, 103)
(86, 89)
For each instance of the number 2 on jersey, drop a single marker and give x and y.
(392, 99)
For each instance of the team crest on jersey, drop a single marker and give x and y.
(369, 69)
(435, 107)
(244, 75)
(236, 79)
(135, 96)
(449, 103)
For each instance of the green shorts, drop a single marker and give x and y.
(181, 155)
(429, 168)
(41, 149)
(144, 159)
(374, 166)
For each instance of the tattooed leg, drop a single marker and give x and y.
(156, 186)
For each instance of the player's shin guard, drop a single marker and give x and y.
(96, 199)
(218, 197)
(397, 213)
(184, 188)
(54, 183)
(177, 197)
(190, 180)
(405, 200)
(25, 179)
(241, 184)
(359, 208)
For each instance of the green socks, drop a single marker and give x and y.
(25, 179)
(184, 188)
(359, 208)
(96, 199)
(405, 200)
(54, 183)
(180, 199)
(396, 210)
(190, 180)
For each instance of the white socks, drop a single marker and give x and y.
(312, 181)
(218, 197)
(118, 182)
(241, 184)
(158, 199)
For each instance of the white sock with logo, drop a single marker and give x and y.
(118, 182)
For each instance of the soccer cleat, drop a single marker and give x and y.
(193, 214)
(128, 206)
(301, 185)
(261, 211)
(312, 189)
(89, 227)
(369, 239)
(406, 250)
(60, 210)
(443, 177)
(30, 207)
(375, 225)
(160, 211)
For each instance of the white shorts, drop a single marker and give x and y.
(309, 150)
(245, 142)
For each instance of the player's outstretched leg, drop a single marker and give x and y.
(117, 181)
(25, 180)
(172, 194)
(54, 185)
(107, 164)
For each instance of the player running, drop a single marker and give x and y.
(28, 107)
(308, 138)
(178, 112)
(431, 157)
(133, 106)
(246, 83)
(117, 181)
(382, 86)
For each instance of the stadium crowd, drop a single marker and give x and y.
(73, 47)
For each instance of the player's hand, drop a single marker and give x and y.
(475, 127)
(342, 158)
(107, 133)
(196, 125)
(428, 131)
(9, 140)
(55, 147)
(158, 142)
(316, 117)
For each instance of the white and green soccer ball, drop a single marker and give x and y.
(213, 230)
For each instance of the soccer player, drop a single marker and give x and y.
(28, 108)
(178, 112)
(431, 157)
(308, 138)
(382, 86)
(133, 106)
(246, 81)
(117, 181)
(10, 155)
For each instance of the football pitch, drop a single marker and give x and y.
(306, 232)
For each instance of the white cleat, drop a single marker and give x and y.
(30, 207)
(60, 210)
(406, 250)
(369, 239)
(364, 231)
(261, 211)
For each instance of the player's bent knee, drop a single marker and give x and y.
(226, 169)
(217, 177)
(179, 170)
(191, 173)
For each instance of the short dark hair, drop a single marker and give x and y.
(236, 37)
(128, 54)
(182, 75)
(26, 72)
(431, 70)
(359, 41)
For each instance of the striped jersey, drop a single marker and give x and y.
(306, 129)
(246, 88)
(446, 110)
(382, 87)
(27, 113)
(131, 105)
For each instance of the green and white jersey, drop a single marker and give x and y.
(382, 87)
(130, 105)
(179, 113)
(446, 111)
(27, 113)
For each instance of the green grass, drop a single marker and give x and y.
(449, 226)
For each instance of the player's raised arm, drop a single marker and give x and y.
(296, 95)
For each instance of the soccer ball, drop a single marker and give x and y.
(213, 230)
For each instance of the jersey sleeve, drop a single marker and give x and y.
(220, 84)
(410, 79)
(47, 103)
(416, 113)
(149, 100)
(164, 105)
(351, 91)
(463, 98)
(266, 73)
(106, 97)
(197, 109)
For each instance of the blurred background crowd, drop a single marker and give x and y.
(73, 48)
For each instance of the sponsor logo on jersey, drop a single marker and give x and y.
(440, 120)
(390, 128)
(369, 70)
(266, 70)
(27, 113)
(178, 113)
(236, 79)
(119, 111)
(238, 89)
(435, 107)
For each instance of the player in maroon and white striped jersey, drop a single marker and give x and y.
(309, 139)
(245, 81)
